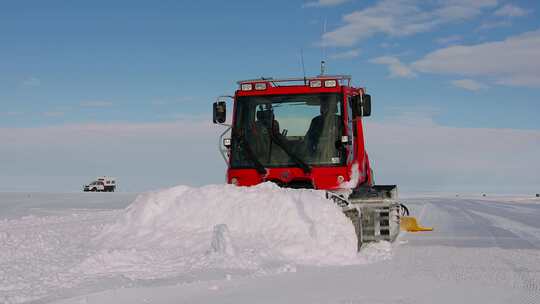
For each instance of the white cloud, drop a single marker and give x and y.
(96, 104)
(171, 100)
(402, 18)
(388, 45)
(31, 82)
(143, 156)
(520, 80)
(321, 3)
(469, 84)
(412, 151)
(514, 61)
(53, 114)
(158, 102)
(494, 24)
(346, 55)
(510, 10)
(395, 66)
(10, 113)
(436, 157)
(449, 39)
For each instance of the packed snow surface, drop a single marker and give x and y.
(221, 244)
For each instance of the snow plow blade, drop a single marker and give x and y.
(410, 224)
(374, 212)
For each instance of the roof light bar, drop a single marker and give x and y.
(330, 83)
(246, 87)
(340, 78)
(260, 86)
(315, 83)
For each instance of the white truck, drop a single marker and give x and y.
(101, 184)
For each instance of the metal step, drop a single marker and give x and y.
(379, 224)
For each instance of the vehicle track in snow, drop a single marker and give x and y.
(529, 279)
(509, 249)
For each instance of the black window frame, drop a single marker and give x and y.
(235, 132)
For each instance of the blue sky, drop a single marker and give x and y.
(457, 64)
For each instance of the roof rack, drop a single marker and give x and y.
(339, 78)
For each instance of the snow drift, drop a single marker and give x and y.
(184, 229)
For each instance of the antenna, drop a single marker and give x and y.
(303, 67)
(324, 33)
(323, 61)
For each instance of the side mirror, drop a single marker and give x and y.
(220, 112)
(366, 105)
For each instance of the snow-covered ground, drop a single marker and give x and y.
(222, 244)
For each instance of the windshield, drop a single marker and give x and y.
(288, 130)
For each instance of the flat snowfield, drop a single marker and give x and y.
(222, 244)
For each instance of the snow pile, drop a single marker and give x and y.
(38, 254)
(183, 229)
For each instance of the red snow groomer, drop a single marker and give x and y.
(308, 133)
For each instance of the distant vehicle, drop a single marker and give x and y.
(101, 184)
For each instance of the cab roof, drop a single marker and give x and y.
(299, 85)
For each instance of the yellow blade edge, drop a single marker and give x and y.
(410, 224)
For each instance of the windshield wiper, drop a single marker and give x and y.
(251, 156)
(302, 164)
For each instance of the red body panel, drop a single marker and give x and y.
(319, 177)
(323, 177)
